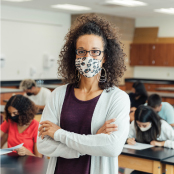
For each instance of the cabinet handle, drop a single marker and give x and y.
(153, 47)
(153, 62)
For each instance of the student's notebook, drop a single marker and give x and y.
(138, 146)
(8, 150)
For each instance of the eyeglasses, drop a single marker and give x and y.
(93, 53)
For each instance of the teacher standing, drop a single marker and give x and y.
(85, 123)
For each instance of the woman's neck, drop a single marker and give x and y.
(89, 84)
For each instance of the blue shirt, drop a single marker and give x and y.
(167, 112)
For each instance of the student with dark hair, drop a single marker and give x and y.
(20, 126)
(164, 109)
(39, 95)
(149, 128)
(139, 94)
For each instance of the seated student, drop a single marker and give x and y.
(138, 95)
(164, 109)
(39, 95)
(149, 128)
(20, 126)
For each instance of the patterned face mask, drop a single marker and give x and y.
(87, 66)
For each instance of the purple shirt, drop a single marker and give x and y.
(76, 117)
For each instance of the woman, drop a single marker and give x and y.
(139, 95)
(20, 127)
(149, 128)
(78, 125)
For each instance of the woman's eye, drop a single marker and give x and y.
(95, 51)
(81, 52)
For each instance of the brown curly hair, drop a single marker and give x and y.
(26, 109)
(114, 55)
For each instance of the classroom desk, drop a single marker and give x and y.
(23, 165)
(148, 160)
(169, 162)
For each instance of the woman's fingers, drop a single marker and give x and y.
(44, 125)
(110, 129)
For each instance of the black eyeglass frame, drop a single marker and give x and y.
(89, 52)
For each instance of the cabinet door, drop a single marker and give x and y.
(157, 54)
(169, 59)
(144, 54)
(134, 54)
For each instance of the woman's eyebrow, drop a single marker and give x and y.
(80, 48)
(95, 48)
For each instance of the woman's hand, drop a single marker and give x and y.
(157, 143)
(22, 151)
(131, 141)
(48, 128)
(108, 128)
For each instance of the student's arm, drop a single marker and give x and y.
(4, 128)
(36, 151)
(169, 112)
(102, 144)
(4, 138)
(132, 134)
(168, 133)
(22, 151)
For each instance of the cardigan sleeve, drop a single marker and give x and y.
(49, 146)
(102, 144)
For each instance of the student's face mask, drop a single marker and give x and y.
(88, 66)
(15, 118)
(29, 93)
(143, 129)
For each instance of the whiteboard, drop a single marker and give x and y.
(25, 43)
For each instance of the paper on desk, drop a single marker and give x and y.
(138, 146)
(8, 150)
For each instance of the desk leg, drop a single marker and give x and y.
(169, 169)
(157, 167)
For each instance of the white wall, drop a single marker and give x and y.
(165, 24)
(26, 35)
(166, 29)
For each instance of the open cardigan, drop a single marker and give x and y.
(103, 148)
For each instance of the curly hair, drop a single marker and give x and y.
(114, 55)
(26, 109)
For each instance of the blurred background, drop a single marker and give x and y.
(33, 31)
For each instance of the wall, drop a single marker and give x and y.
(166, 29)
(26, 36)
(126, 28)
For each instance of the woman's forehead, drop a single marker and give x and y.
(89, 42)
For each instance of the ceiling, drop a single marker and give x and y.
(132, 12)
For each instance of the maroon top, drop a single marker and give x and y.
(76, 117)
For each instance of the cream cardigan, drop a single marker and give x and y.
(104, 149)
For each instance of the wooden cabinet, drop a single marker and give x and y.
(137, 56)
(7, 96)
(152, 54)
